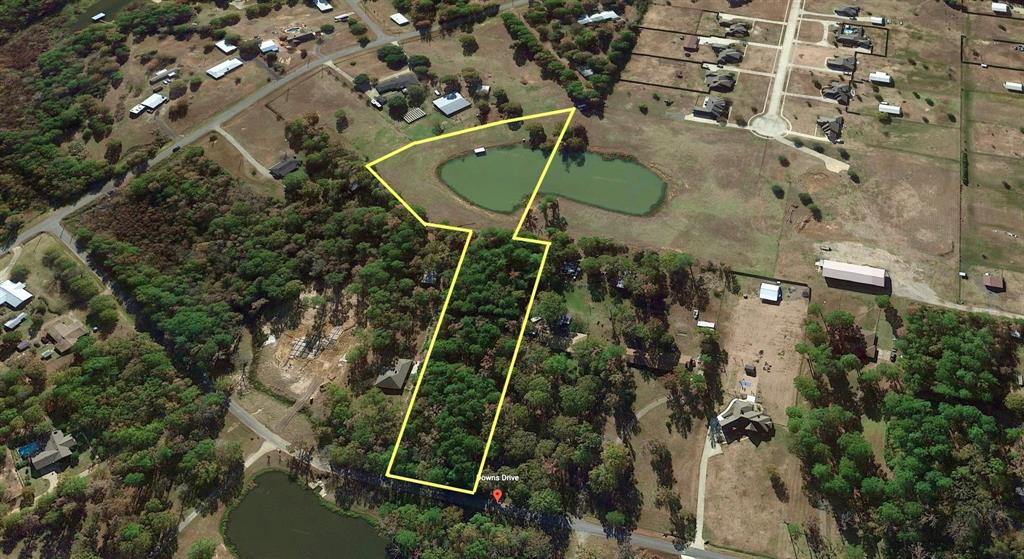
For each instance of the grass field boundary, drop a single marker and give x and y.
(569, 112)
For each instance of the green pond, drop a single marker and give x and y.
(278, 519)
(502, 179)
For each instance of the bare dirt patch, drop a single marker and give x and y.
(660, 71)
(764, 335)
(220, 150)
(769, 9)
(759, 59)
(997, 139)
(994, 53)
(672, 18)
(812, 31)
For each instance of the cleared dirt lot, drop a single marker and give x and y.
(764, 335)
(990, 79)
(670, 44)
(660, 71)
(812, 31)
(749, 97)
(997, 139)
(990, 27)
(768, 9)
(220, 150)
(759, 59)
(803, 114)
(672, 18)
(994, 53)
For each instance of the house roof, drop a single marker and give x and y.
(713, 105)
(847, 11)
(413, 115)
(64, 332)
(14, 322)
(606, 15)
(394, 378)
(729, 55)
(847, 63)
(399, 19)
(832, 127)
(58, 447)
(770, 292)
(225, 47)
(451, 103)
(13, 294)
(153, 101)
(222, 69)
(282, 168)
(995, 282)
(831, 269)
(691, 42)
(720, 81)
(840, 92)
(397, 82)
(269, 46)
(744, 417)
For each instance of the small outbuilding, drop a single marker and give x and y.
(770, 292)
(607, 15)
(451, 104)
(399, 19)
(413, 114)
(995, 282)
(393, 380)
(324, 7)
(225, 47)
(1016, 87)
(691, 43)
(16, 321)
(880, 78)
(283, 168)
(1001, 8)
(890, 109)
(269, 46)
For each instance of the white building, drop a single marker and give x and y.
(890, 109)
(16, 321)
(153, 102)
(877, 20)
(342, 18)
(399, 19)
(880, 77)
(324, 7)
(830, 269)
(451, 104)
(224, 68)
(13, 294)
(705, 324)
(269, 46)
(225, 47)
(771, 292)
(1016, 87)
(599, 17)
(1001, 8)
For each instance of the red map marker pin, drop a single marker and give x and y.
(497, 495)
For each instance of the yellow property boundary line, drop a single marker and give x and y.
(451, 288)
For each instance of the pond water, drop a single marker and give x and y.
(109, 7)
(278, 518)
(501, 180)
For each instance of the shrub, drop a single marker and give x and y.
(784, 161)
(815, 211)
(643, 108)
(778, 191)
(327, 28)
(805, 198)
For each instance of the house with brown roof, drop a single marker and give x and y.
(995, 282)
(64, 332)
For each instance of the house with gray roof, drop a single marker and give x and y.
(738, 29)
(395, 82)
(847, 11)
(842, 63)
(720, 81)
(831, 127)
(58, 447)
(451, 104)
(730, 55)
(393, 380)
(745, 418)
(713, 108)
(852, 36)
(839, 92)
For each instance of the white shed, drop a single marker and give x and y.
(224, 68)
(153, 102)
(225, 47)
(324, 7)
(399, 19)
(771, 292)
(877, 20)
(1001, 8)
(1016, 87)
(705, 324)
(889, 108)
(269, 46)
(880, 77)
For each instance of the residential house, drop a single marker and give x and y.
(745, 418)
(451, 104)
(839, 92)
(224, 68)
(58, 447)
(720, 81)
(712, 107)
(64, 332)
(842, 63)
(995, 282)
(770, 292)
(282, 168)
(847, 11)
(831, 127)
(393, 380)
(855, 273)
(851, 36)
(13, 294)
(730, 55)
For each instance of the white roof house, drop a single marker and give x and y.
(771, 292)
(222, 69)
(880, 77)
(399, 19)
(154, 101)
(1000, 7)
(225, 47)
(451, 103)
(323, 6)
(1014, 86)
(344, 17)
(269, 46)
(889, 108)
(878, 20)
(705, 324)
(830, 269)
(607, 15)
(13, 294)
(14, 322)
(137, 110)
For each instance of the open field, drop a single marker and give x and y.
(768, 9)
(220, 150)
(989, 27)
(670, 45)
(804, 81)
(672, 18)
(738, 481)
(659, 71)
(994, 53)
(901, 135)
(989, 80)
(812, 31)
(992, 216)
(758, 59)
(749, 97)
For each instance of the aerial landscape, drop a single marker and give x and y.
(540, 279)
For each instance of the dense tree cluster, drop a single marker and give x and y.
(953, 453)
(449, 14)
(431, 532)
(154, 429)
(444, 439)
